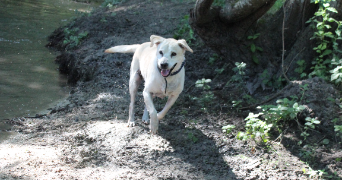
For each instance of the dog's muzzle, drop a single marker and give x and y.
(164, 71)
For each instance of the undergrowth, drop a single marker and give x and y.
(184, 31)
(72, 38)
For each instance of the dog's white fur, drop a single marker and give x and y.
(151, 62)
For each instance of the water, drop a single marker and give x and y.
(29, 79)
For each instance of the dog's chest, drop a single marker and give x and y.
(165, 88)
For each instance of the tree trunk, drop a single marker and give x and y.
(226, 30)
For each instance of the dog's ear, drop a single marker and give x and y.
(182, 43)
(156, 40)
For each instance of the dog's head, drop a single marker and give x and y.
(170, 53)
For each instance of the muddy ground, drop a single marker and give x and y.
(86, 137)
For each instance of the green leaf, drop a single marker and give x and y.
(240, 135)
(316, 122)
(326, 52)
(325, 141)
(228, 127)
(253, 48)
(331, 19)
(326, 4)
(334, 76)
(279, 101)
(295, 105)
(332, 9)
(255, 59)
(256, 36)
(319, 13)
(259, 48)
(327, 26)
(319, 24)
(199, 85)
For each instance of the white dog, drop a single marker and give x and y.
(161, 64)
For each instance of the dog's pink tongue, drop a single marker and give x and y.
(165, 72)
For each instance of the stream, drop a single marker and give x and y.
(29, 79)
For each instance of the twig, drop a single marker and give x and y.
(320, 140)
(189, 88)
(294, 59)
(281, 135)
(283, 39)
(37, 116)
(272, 97)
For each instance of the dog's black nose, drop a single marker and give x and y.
(164, 65)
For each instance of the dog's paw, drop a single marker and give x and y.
(154, 127)
(146, 121)
(154, 132)
(131, 124)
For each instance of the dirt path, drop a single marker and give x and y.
(85, 137)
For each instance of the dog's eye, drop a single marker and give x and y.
(161, 52)
(173, 54)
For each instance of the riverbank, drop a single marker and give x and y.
(86, 137)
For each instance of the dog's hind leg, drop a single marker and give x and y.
(134, 82)
(145, 117)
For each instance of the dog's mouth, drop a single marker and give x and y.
(167, 72)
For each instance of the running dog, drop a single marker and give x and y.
(160, 63)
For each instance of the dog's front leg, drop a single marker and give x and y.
(145, 117)
(153, 112)
(170, 101)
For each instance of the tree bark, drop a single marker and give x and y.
(225, 29)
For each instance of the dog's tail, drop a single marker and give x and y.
(123, 49)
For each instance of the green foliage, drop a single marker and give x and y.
(266, 78)
(203, 83)
(184, 31)
(220, 3)
(277, 5)
(336, 73)
(228, 129)
(327, 42)
(240, 75)
(254, 48)
(192, 137)
(207, 97)
(249, 99)
(338, 128)
(237, 104)
(103, 20)
(279, 115)
(72, 39)
(220, 71)
(273, 116)
(111, 3)
(304, 88)
(301, 67)
(309, 124)
(271, 81)
(255, 128)
(213, 58)
(316, 173)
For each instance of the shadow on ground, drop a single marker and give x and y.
(193, 147)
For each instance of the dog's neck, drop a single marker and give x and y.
(172, 74)
(176, 72)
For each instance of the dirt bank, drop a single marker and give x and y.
(86, 137)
